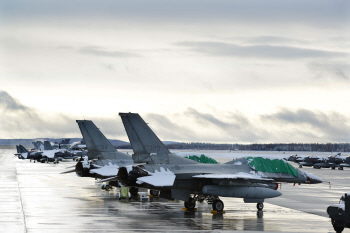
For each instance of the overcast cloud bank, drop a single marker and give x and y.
(301, 126)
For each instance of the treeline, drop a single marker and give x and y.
(322, 147)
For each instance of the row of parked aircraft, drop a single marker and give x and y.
(153, 166)
(45, 152)
(318, 162)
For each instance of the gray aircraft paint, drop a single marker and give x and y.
(146, 145)
(99, 147)
(101, 154)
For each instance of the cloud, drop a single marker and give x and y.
(19, 121)
(231, 126)
(166, 129)
(330, 126)
(99, 51)
(257, 51)
(330, 71)
(191, 125)
(7, 103)
(273, 40)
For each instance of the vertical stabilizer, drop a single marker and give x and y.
(21, 149)
(47, 145)
(97, 144)
(38, 146)
(146, 145)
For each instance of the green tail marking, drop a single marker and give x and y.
(202, 159)
(272, 165)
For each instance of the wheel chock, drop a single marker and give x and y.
(216, 212)
(186, 209)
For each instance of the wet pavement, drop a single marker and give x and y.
(36, 198)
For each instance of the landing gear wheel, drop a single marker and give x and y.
(340, 168)
(154, 192)
(190, 204)
(333, 168)
(260, 206)
(133, 191)
(338, 226)
(300, 166)
(218, 205)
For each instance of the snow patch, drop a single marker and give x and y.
(108, 170)
(158, 178)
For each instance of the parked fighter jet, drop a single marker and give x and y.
(23, 153)
(252, 178)
(80, 145)
(336, 160)
(54, 155)
(315, 161)
(103, 160)
(345, 164)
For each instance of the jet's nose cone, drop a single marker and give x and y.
(312, 179)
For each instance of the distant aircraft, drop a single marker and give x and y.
(252, 178)
(345, 164)
(54, 155)
(315, 161)
(337, 160)
(322, 162)
(23, 153)
(80, 145)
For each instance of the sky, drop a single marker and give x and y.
(197, 71)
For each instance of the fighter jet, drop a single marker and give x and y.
(315, 161)
(80, 145)
(102, 160)
(336, 160)
(23, 153)
(345, 164)
(252, 178)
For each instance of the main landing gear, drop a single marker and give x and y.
(190, 204)
(260, 206)
(154, 193)
(217, 204)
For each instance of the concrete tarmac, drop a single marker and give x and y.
(34, 197)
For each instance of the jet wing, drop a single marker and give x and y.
(238, 176)
(108, 170)
(158, 178)
(49, 153)
(69, 171)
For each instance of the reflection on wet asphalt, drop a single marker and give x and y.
(35, 198)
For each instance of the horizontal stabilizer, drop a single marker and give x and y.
(69, 171)
(114, 178)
